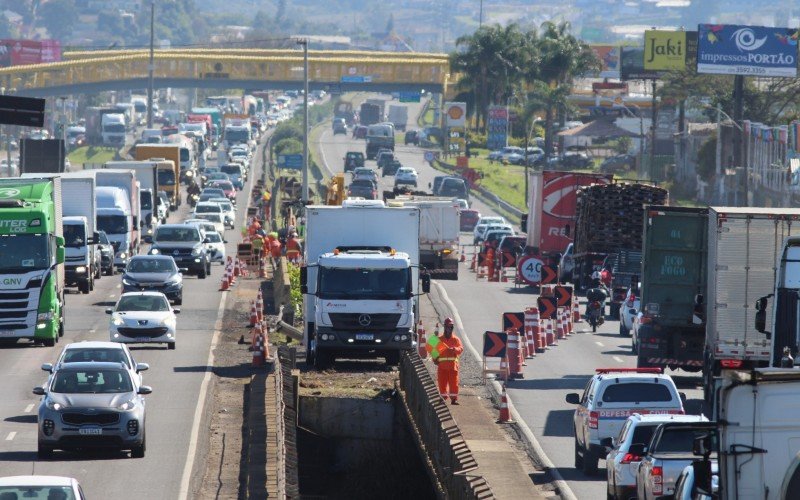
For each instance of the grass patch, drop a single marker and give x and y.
(92, 154)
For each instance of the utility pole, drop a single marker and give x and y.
(151, 66)
(304, 43)
(480, 16)
(738, 112)
(654, 115)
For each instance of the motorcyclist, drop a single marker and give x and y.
(193, 190)
(597, 293)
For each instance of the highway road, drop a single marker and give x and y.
(539, 397)
(175, 434)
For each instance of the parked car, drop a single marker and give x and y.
(504, 153)
(469, 219)
(529, 155)
(628, 311)
(411, 137)
(618, 163)
(405, 175)
(154, 273)
(362, 188)
(86, 401)
(143, 318)
(575, 159)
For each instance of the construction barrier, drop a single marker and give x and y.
(505, 413)
(421, 341)
(512, 353)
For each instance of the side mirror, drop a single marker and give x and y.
(39, 391)
(176, 310)
(206, 240)
(225, 241)
(95, 238)
(637, 449)
(47, 367)
(426, 283)
(142, 367)
(573, 398)
(145, 389)
(682, 396)
(702, 445)
(761, 315)
(607, 443)
(60, 250)
(523, 222)
(109, 311)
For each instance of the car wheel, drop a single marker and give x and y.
(578, 457)
(138, 451)
(589, 463)
(202, 274)
(109, 271)
(171, 346)
(43, 451)
(622, 329)
(83, 286)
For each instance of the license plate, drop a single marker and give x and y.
(364, 336)
(90, 431)
(6, 333)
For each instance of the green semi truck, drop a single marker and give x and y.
(32, 263)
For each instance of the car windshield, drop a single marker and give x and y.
(166, 178)
(637, 392)
(213, 193)
(642, 434)
(389, 284)
(153, 303)
(214, 237)
(112, 224)
(91, 382)
(210, 217)
(40, 492)
(680, 440)
(74, 235)
(362, 183)
(95, 354)
(149, 265)
(180, 234)
(223, 185)
(207, 209)
(234, 135)
(232, 169)
(23, 252)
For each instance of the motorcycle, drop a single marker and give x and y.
(594, 314)
(193, 199)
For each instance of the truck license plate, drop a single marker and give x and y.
(364, 336)
(90, 431)
(6, 333)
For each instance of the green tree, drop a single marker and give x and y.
(707, 159)
(59, 16)
(288, 146)
(547, 99)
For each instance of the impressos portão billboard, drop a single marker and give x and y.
(732, 49)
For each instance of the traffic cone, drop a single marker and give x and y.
(473, 266)
(436, 329)
(224, 285)
(253, 314)
(532, 330)
(504, 366)
(262, 272)
(253, 334)
(559, 326)
(421, 341)
(550, 334)
(463, 255)
(505, 414)
(236, 271)
(512, 352)
(576, 312)
(265, 343)
(503, 275)
(258, 353)
(260, 306)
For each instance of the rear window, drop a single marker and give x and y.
(642, 434)
(677, 440)
(362, 182)
(637, 392)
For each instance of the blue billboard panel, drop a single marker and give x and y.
(732, 49)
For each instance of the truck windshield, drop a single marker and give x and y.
(115, 128)
(184, 154)
(23, 252)
(112, 224)
(364, 284)
(146, 200)
(237, 135)
(74, 235)
(166, 178)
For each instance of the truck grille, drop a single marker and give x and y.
(142, 332)
(74, 259)
(13, 296)
(353, 321)
(12, 314)
(100, 418)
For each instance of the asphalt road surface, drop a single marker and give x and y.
(174, 438)
(539, 397)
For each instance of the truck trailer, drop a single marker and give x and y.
(168, 175)
(147, 176)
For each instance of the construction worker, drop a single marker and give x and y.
(293, 248)
(258, 244)
(447, 362)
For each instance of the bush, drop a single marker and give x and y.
(295, 295)
(289, 146)
(707, 159)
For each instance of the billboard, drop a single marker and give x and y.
(20, 52)
(632, 65)
(456, 114)
(665, 50)
(609, 57)
(497, 127)
(732, 49)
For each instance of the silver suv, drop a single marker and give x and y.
(91, 405)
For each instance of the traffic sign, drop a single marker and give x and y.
(291, 162)
(547, 307)
(494, 344)
(514, 321)
(530, 269)
(356, 79)
(549, 275)
(430, 156)
(410, 96)
(508, 259)
(563, 295)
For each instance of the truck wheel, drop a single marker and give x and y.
(589, 463)
(83, 286)
(202, 273)
(97, 273)
(44, 452)
(323, 360)
(91, 282)
(623, 330)
(641, 362)
(110, 270)
(49, 342)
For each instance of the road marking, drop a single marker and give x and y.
(111, 296)
(10, 436)
(119, 285)
(617, 359)
(599, 344)
(29, 408)
(93, 330)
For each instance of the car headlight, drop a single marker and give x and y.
(128, 405)
(117, 320)
(80, 269)
(196, 250)
(168, 321)
(45, 316)
(54, 406)
(154, 251)
(122, 255)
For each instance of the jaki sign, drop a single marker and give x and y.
(730, 49)
(665, 50)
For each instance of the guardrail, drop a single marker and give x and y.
(485, 193)
(289, 484)
(449, 459)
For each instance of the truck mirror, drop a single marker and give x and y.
(607, 443)
(573, 398)
(60, 255)
(95, 238)
(60, 241)
(699, 299)
(761, 315)
(523, 221)
(304, 279)
(426, 283)
(702, 486)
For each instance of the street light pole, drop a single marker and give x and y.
(151, 66)
(480, 16)
(304, 43)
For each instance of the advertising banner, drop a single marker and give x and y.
(632, 65)
(731, 49)
(455, 114)
(497, 127)
(664, 50)
(19, 52)
(609, 60)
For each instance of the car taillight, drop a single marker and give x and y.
(631, 300)
(730, 363)
(593, 418)
(630, 457)
(645, 319)
(657, 479)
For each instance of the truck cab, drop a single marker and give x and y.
(82, 264)
(114, 216)
(113, 129)
(783, 303)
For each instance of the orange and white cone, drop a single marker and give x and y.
(260, 306)
(224, 285)
(421, 341)
(236, 271)
(262, 272)
(265, 343)
(254, 314)
(258, 353)
(576, 312)
(505, 413)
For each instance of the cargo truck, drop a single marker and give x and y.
(745, 248)
(216, 123)
(114, 128)
(379, 136)
(168, 157)
(439, 233)
(381, 104)
(32, 263)
(147, 176)
(398, 116)
(360, 282)
(781, 325)
(369, 114)
(671, 327)
(94, 123)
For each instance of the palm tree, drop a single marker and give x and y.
(546, 98)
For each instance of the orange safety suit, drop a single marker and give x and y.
(447, 373)
(293, 250)
(275, 249)
(258, 244)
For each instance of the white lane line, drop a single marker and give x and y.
(10, 436)
(119, 285)
(111, 296)
(29, 408)
(599, 344)
(617, 359)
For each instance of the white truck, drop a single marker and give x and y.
(147, 176)
(744, 254)
(439, 232)
(398, 116)
(79, 220)
(113, 128)
(360, 282)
